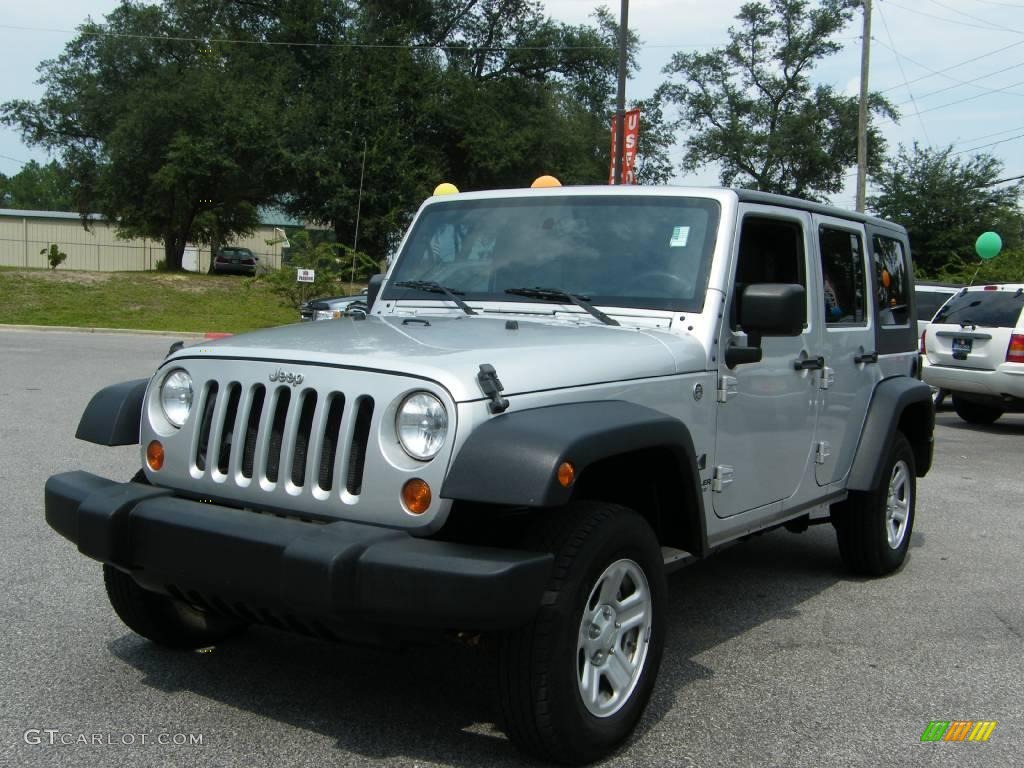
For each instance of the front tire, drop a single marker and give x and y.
(574, 683)
(975, 413)
(873, 527)
(162, 619)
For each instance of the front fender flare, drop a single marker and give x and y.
(113, 415)
(513, 458)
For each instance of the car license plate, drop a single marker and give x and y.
(961, 347)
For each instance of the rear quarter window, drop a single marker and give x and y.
(928, 302)
(991, 309)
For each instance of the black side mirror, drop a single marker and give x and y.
(372, 289)
(772, 309)
(767, 309)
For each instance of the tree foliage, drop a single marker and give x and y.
(166, 136)
(178, 119)
(752, 108)
(38, 188)
(331, 262)
(945, 202)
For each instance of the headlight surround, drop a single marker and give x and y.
(422, 425)
(176, 396)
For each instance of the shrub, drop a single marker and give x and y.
(54, 255)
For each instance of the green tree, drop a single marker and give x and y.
(945, 201)
(483, 94)
(165, 136)
(39, 188)
(751, 107)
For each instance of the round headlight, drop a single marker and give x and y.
(176, 396)
(422, 425)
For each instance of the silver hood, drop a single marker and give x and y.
(540, 354)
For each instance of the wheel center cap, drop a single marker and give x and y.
(602, 628)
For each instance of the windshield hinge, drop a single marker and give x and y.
(491, 386)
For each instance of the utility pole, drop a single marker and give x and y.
(620, 99)
(862, 115)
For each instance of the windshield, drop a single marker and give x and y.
(993, 309)
(646, 252)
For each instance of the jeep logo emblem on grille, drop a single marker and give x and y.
(286, 378)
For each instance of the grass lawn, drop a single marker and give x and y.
(143, 300)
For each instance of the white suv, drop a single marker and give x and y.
(974, 348)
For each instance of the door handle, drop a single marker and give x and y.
(866, 357)
(809, 363)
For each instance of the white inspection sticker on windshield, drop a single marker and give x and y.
(679, 237)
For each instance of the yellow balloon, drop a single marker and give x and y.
(444, 188)
(545, 181)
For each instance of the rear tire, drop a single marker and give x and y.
(162, 619)
(975, 413)
(873, 527)
(573, 684)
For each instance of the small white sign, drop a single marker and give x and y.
(679, 237)
(305, 276)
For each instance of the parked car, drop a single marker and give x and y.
(929, 297)
(234, 260)
(522, 466)
(332, 307)
(974, 349)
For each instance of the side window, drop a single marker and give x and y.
(893, 282)
(770, 251)
(842, 270)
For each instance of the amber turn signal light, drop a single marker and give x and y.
(155, 455)
(566, 474)
(416, 496)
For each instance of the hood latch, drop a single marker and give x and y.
(491, 386)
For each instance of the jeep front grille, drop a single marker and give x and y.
(270, 434)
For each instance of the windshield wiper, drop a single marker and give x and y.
(431, 287)
(554, 294)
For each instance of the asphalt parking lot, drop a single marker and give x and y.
(775, 656)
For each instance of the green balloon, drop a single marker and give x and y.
(988, 245)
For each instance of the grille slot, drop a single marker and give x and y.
(252, 430)
(332, 435)
(360, 437)
(226, 434)
(205, 425)
(303, 437)
(283, 398)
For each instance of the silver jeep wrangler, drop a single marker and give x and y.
(558, 396)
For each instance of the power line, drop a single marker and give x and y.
(972, 82)
(934, 72)
(903, 74)
(14, 159)
(956, 80)
(1001, 4)
(965, 15)
(988, 135)
(987, 26)
(990, 144)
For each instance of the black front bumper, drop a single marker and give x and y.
(259, 565)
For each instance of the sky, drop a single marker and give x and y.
(955, 68)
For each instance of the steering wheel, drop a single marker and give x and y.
(684, 286)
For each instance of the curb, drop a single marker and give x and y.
(75, 329)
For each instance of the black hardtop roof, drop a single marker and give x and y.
(770, 198)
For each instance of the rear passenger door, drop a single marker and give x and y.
(848, 344)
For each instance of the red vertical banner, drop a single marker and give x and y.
(632, 122)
